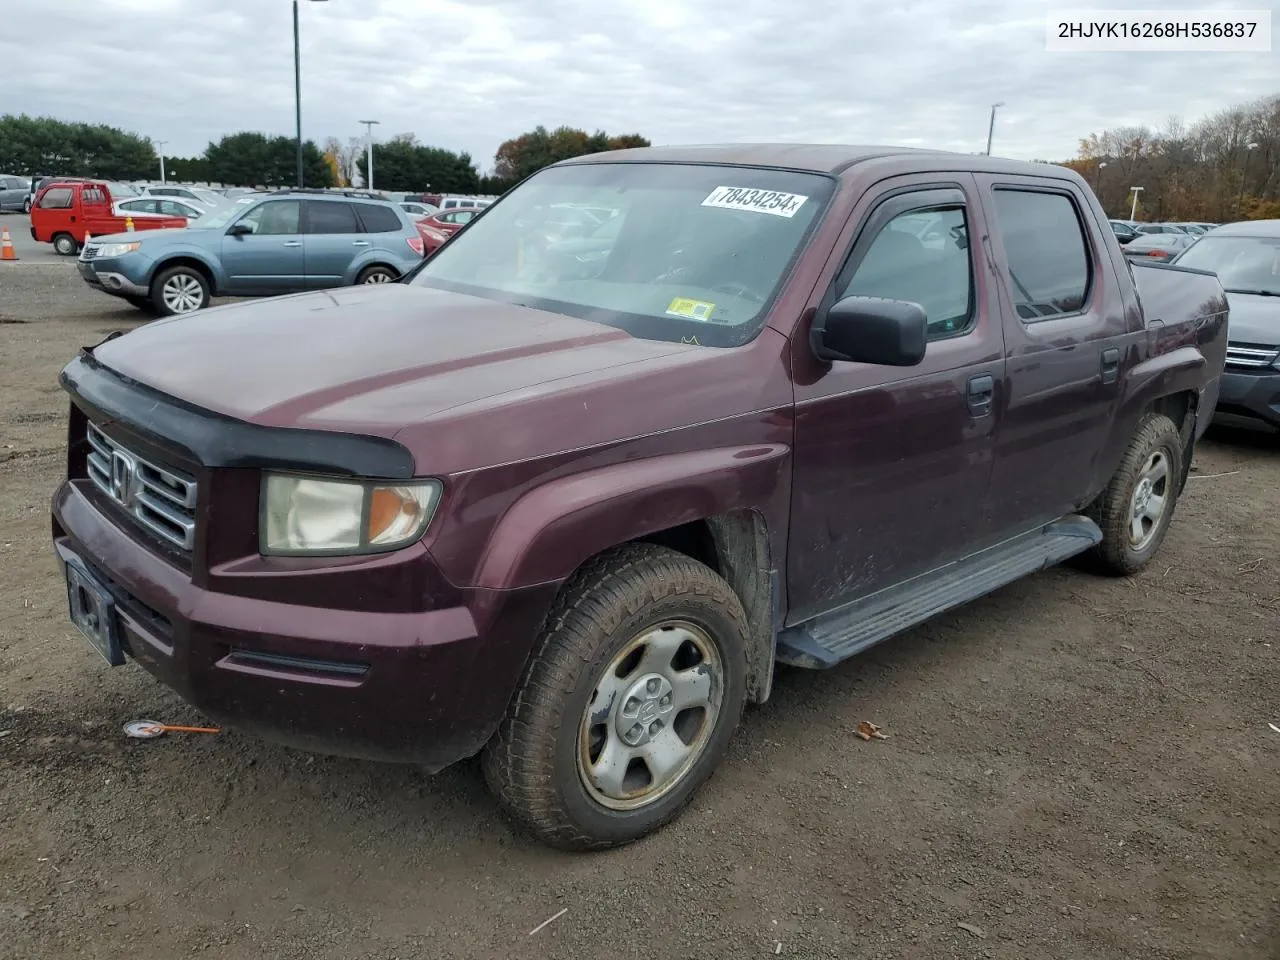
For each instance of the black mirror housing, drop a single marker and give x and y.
(239, 230)
(890, 333)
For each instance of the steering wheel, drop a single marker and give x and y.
(736, 288)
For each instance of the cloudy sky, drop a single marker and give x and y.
(467, 74)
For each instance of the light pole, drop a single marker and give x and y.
(1097, 180)
(297, 84)
(1133, 209)
(991, 127)
(368, 170)
(159, 144)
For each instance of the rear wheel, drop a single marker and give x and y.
(377, 274)
(65, 245)
(629, 702)
(26, 205)
(1136, 508)
(179, 290)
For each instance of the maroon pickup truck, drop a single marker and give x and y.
(566, 500)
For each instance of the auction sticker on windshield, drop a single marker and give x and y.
(757, 201)
(691, 309)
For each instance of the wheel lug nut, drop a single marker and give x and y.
(652, 685)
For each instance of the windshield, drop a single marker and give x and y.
(1243, 264)
(676, 252)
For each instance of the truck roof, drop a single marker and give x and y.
(831, 158)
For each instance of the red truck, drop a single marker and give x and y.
(64, 211)
(567, 503)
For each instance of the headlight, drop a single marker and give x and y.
(308, 515)
(118, 249)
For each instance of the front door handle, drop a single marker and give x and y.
(1110, 365)
(293, 243)
(359, 243)
(981, 392)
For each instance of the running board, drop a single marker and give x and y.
(832, 637)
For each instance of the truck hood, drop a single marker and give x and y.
(368, 359)
(1254, 319)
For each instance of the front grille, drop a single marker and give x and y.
(89, 251)
(1251, 355)
(162, 501)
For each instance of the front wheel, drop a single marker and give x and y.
(634, 690)
(65, 245)
(1135, 509)
(179, 290)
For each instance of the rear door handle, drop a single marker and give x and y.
(1110, 365)
(980, 395)
(293, 243)
(359, 243)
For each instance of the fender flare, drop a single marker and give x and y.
(556, 527)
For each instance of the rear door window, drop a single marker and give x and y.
(1047, 254)
(329, 216)
(379, 219)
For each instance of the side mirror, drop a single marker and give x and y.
(239, 230)
(890, 333)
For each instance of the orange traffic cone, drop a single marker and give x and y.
(6, 245)
(128, 224)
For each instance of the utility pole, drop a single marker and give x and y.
(991, 127)
(369, 124)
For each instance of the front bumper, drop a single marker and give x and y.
(419, 687)
(1253, 395)
(108, 277)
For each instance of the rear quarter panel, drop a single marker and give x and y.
(1183, 349)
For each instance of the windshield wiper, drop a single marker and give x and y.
(1254, 293)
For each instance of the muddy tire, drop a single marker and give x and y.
(1135, 509)
(628, 703)
(64, 244)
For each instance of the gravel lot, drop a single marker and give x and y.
(1077, 768)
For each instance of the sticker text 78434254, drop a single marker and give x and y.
(758, 201)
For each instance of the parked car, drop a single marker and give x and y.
(458, 203)
(573, 523)
(163, 206)
(198, 195)
(416, 209)
(13, 192)
(1246, 258)
(452, 220)
(65, 211)
(283, 243)
(1161, 228)
(1158, 247)
(1125, 232)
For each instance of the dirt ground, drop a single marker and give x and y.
(1077, 768)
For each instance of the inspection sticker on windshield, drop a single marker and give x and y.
(757, 201)
(690, 309)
